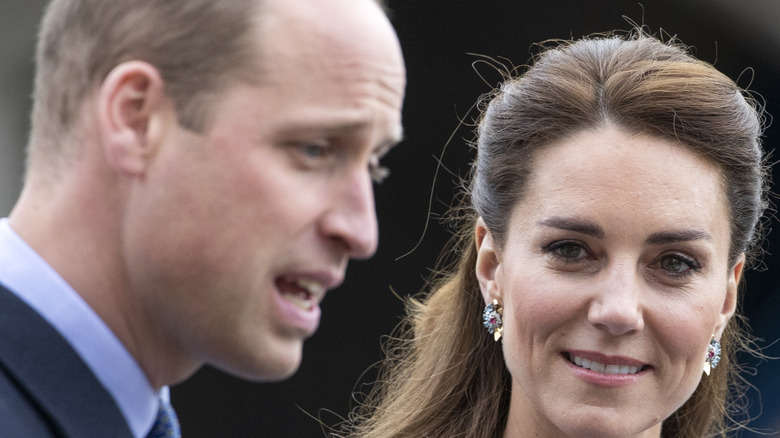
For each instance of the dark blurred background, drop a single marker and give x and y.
(440, 41)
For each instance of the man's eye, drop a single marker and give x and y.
(313, 150)
(377, 171)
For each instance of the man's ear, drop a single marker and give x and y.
(132, 109)
(730, 301)
(488, 262)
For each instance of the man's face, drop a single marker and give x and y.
(236, 234)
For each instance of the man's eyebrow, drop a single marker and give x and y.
(391, 142)
(572, 224)
(666, 237)
(336, 129)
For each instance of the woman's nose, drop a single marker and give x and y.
(617, 305)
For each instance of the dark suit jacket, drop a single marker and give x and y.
(46, 390)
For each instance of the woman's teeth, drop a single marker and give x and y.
(603, 368)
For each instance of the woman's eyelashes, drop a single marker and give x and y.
(678, 265)
(567, 251)
(570, 254)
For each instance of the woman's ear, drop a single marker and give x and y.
(730, 301)
(131, 108)
(488, 263)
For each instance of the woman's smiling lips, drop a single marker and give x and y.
(603, 370)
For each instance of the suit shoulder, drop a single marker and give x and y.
(19, 414)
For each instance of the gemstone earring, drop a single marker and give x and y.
(713, 356)
(492, 319)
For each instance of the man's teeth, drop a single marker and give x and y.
(314, 288)
(604, 369)
(303, 293)
(300, 299)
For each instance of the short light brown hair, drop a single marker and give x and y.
(198, 46)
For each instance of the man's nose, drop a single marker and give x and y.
(351, 220)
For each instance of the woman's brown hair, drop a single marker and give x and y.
(444, 376)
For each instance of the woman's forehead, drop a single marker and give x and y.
(608, 175)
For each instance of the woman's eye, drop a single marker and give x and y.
(678, 265)
(570, 251)
(567, 251)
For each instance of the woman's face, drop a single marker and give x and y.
(613, 278)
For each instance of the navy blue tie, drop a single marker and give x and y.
(166, 425)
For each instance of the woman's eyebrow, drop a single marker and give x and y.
(573, 224)
(665, 237)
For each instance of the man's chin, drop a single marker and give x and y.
(273, 367)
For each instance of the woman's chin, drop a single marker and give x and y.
(611, 426)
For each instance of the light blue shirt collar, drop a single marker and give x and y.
(27, 275)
